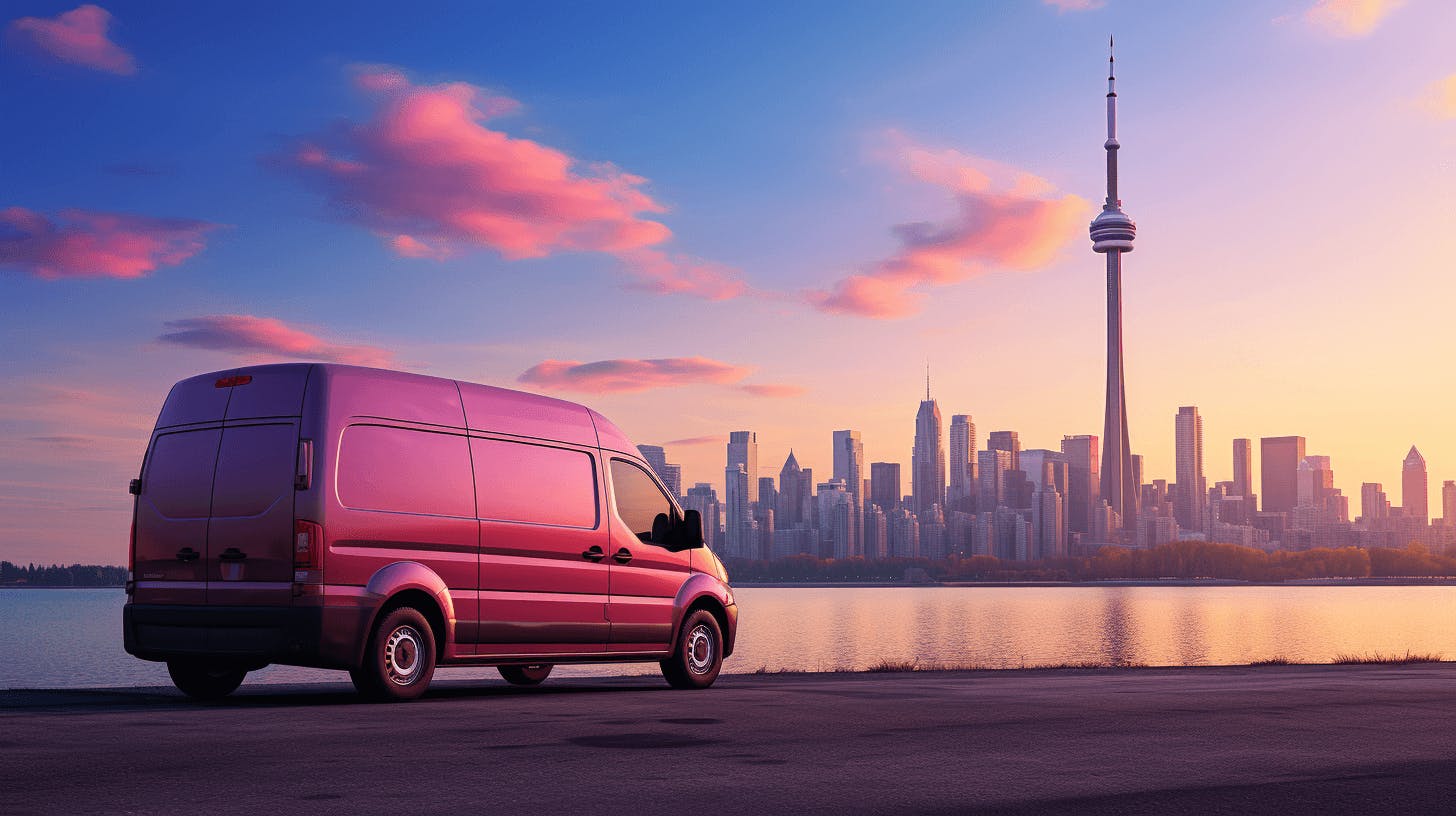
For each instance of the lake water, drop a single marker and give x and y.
(71, 638)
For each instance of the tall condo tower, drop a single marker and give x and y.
(1112, 233)
(927, 459)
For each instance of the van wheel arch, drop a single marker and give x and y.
(427, 606)
(713, 607)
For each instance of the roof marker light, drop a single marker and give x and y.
(236, 379)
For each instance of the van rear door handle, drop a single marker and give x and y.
(232, 554)
(622, 556)
(188, 554)
(594, 553)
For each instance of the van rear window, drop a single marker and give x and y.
(178, 481)
(516, 481)
(405, 471)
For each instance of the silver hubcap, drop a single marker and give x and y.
(700, 650)
(402, 655)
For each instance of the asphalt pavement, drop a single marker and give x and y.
(1276, 739)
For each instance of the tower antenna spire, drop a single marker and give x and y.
(927, 381)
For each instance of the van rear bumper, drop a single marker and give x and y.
(319, 636)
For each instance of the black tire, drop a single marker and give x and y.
(400, 659)
(205, 681)
(698, 656)
(531, 675)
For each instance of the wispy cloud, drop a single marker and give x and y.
(617, 376)
(267, 338)
(772, 389)
(1440, 98)
(83, 243)
(1006, 219)
(431, 176)
(78, 37)
(1350, 18)
(691, 441)
(1064, 6)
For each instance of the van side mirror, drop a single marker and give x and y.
(135, 488)
(690, 531)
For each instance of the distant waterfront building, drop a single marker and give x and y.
(849, 465)
(836, 520)
(1084, 483)
(1279, 458)
(1374, 505)
(1243, 468)
(738, 525)
(903, 533)
(704, 499)
(1034, 462)
(1192, 492)
(743, 450)
(962, 462)
(670, 474)
(885, 485)
(1448, 503)
(1414, 489)
(1049, 532)
(1008, 441)
(796, 488)
(876, 533)
(992, 467)
(927, 459)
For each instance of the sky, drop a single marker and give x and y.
(705, 219)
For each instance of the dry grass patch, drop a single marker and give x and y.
(1375, 658)
(1276, 660)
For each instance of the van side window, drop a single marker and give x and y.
(400, 470)
(535, 484)
(639, 500)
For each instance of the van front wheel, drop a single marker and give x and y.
(203, 681)
(400, 660)
(698, 658)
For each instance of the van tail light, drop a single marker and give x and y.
(308, 553)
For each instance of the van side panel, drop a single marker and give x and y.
(499, 411)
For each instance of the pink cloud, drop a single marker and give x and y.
(82, 243)
(433, 178)
(621, 376)
(1350, 18)
(715, 439)
(1006, 219)
(77, 37)
(772, 389)
(266, 338)
(1064, 6)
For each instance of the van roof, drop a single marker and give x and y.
(278, 390)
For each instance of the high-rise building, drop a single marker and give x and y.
(1414, 489)
(1008, 441)
(1243, 468)
(1191, 498)
(993, 465)
(962, 462)
(1374, 506)
(836, 520)
(1112, 234)
(849, 466)
(876, 533)
(1084, 484)
(704, 499)
(738, 525)
(793, 504)
(1314, 482)
(1448, 503)
(743, 450)
(1034, 463)
(1279, 458)
(927, 459)
(885, 485)
(670, 474)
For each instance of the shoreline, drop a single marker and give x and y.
(1172, 582)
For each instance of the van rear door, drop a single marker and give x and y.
(250, 541)
(171, 517)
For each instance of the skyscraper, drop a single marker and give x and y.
(1008, 441)
(849, 466)
(962, 461)
(1448, 503)
(1279, 458)
(670, 474)
(885, 485)
(1192, 489)
(1084, 486)
(738, 526)
(927, 459)
(704, 499)
(1112, 234)
(794, 494)
(743, 450)
(1414, 489)
(1243, 468)
(993, 467)
(1373, 504)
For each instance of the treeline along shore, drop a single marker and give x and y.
(1184, 560)
(76, 575)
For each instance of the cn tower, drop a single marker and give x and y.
(1112, 233)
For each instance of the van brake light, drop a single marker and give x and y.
(308, 553)
(235, 380)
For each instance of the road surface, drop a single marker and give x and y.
(1278, 739)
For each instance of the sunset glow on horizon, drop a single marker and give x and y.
(765, 218)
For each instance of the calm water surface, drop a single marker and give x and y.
(71, 638)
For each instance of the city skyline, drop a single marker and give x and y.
(775, 244)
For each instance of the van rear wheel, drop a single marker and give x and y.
(698, 658)
(531, 675)
(205, 681)
(400, 659)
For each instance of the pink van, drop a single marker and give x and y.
(388, 523)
